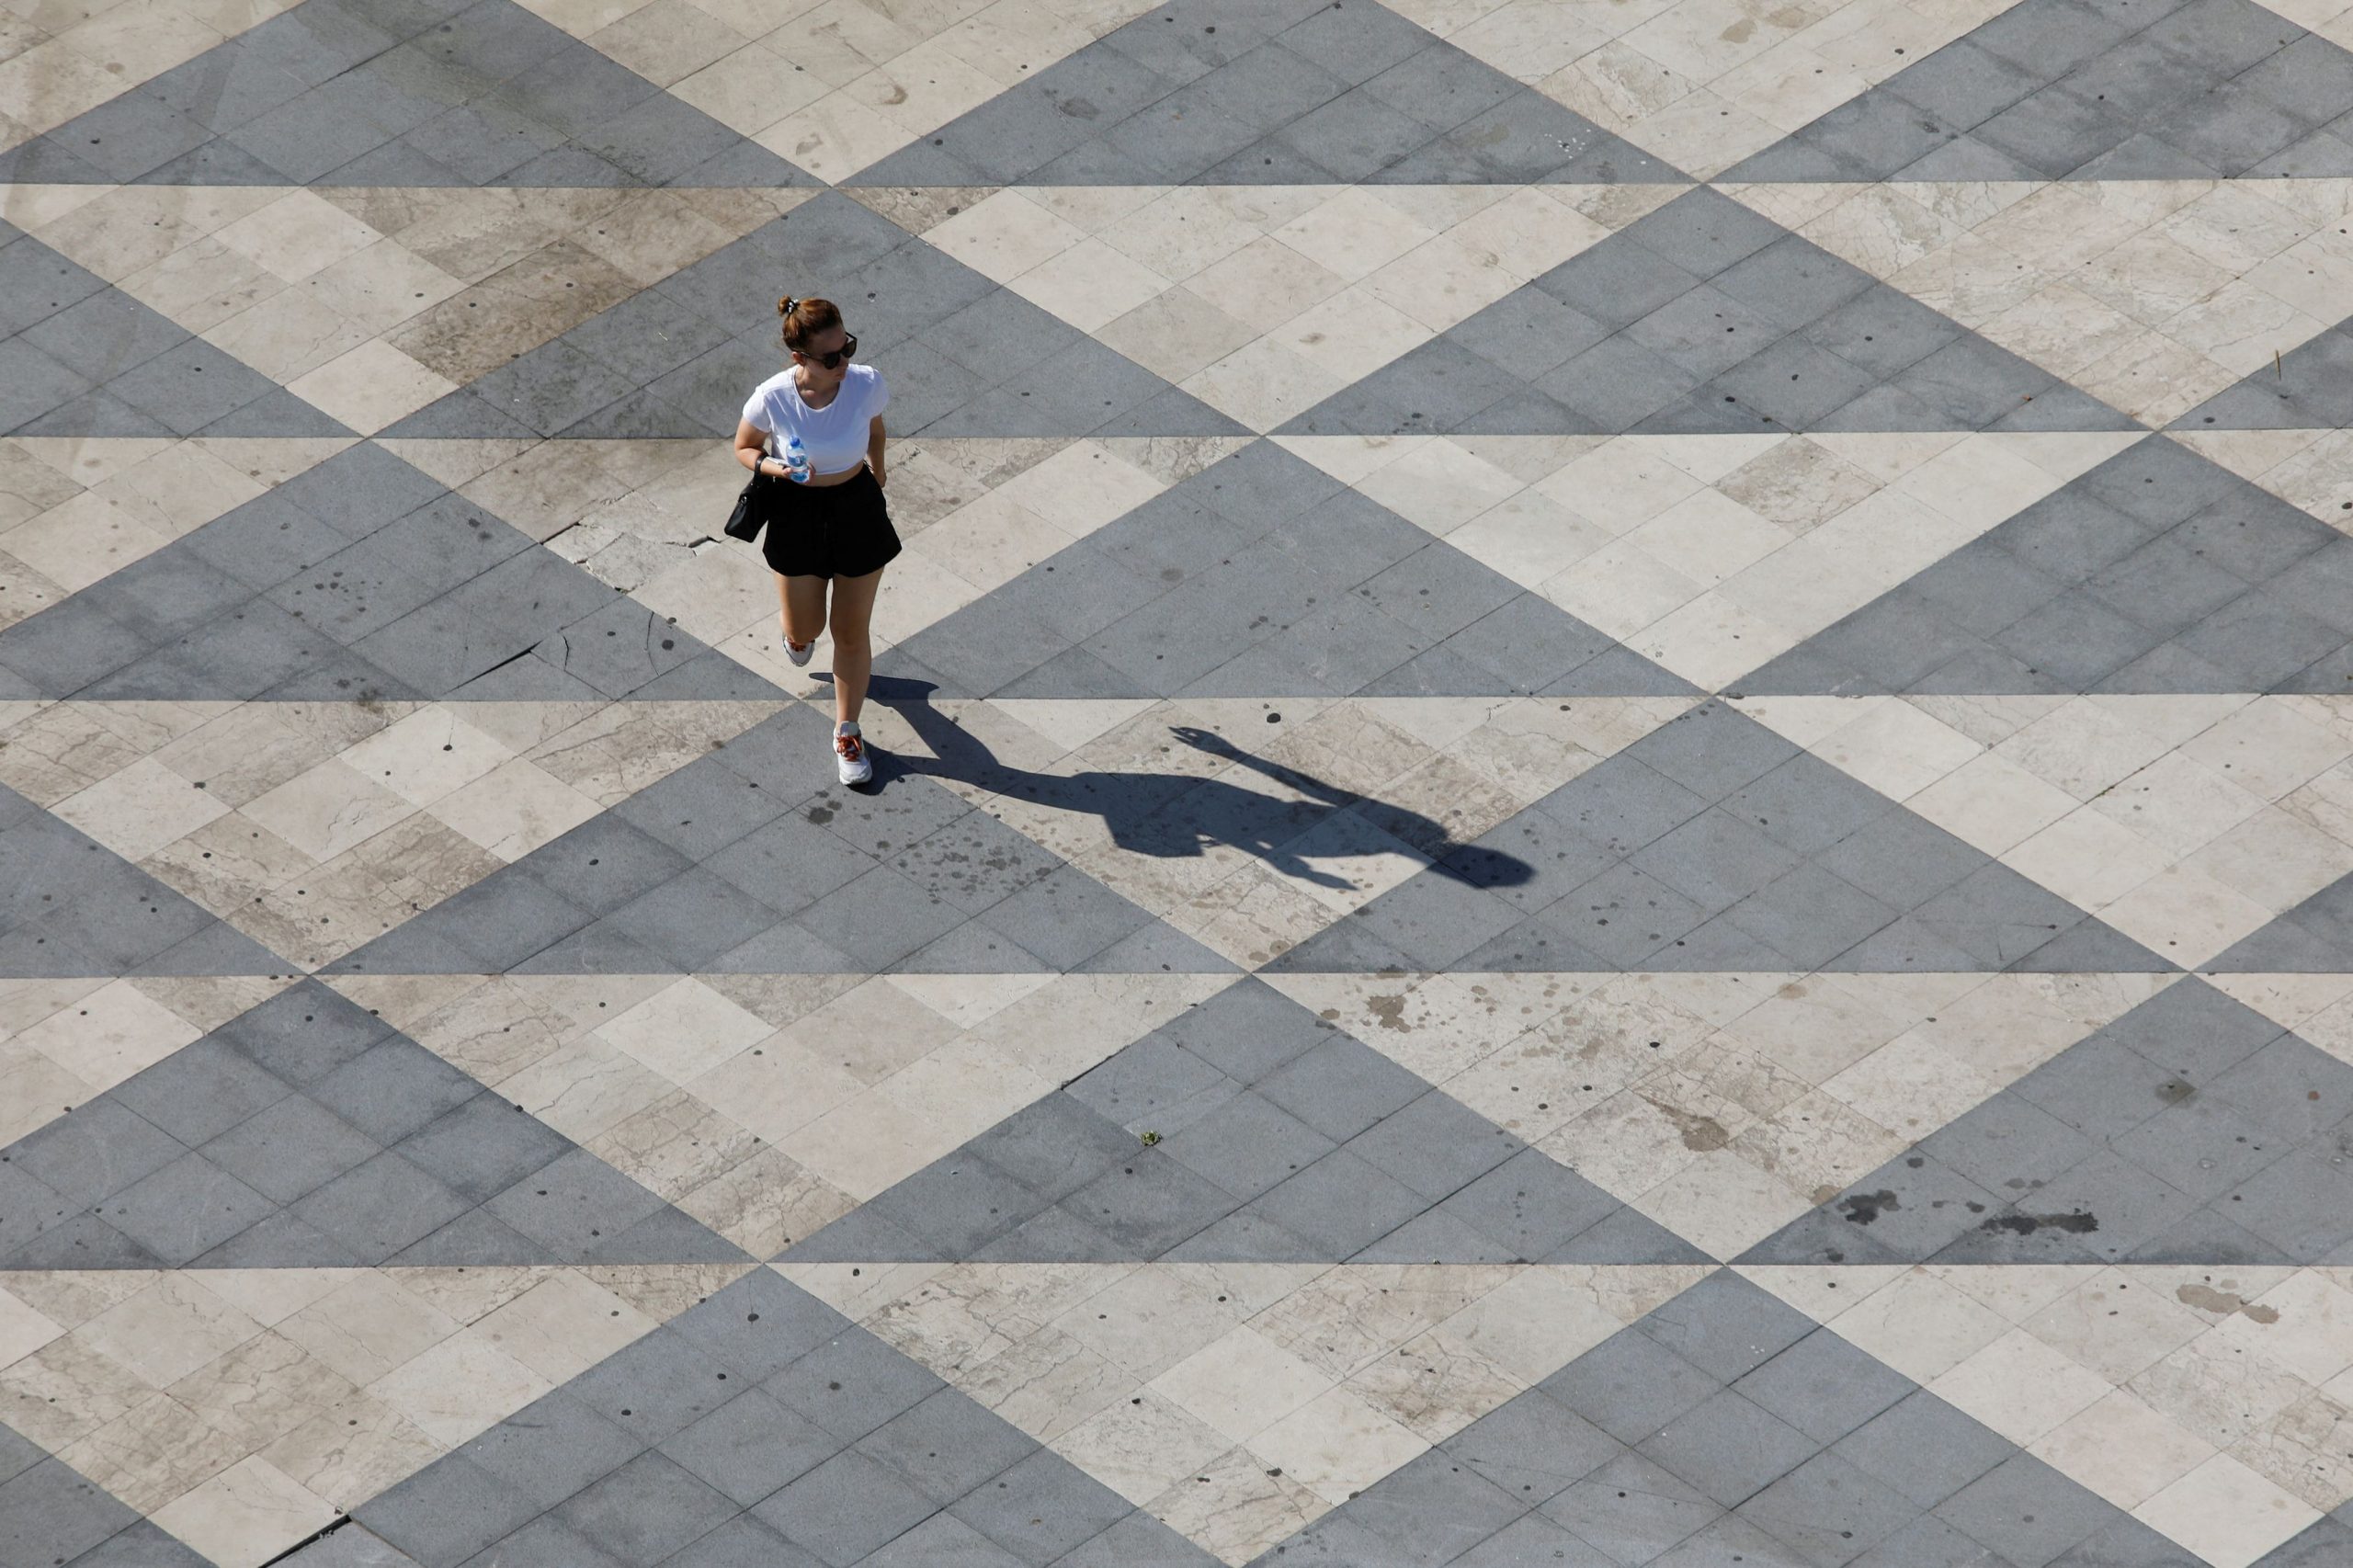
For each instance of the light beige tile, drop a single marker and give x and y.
(139, 810)
(426, 755)
(109, 1035)
(168, 1330)
(248, 1514)
(23, 1330)
(1240, 1383)
(2227, 1513)
(1142, 1447)
(369, 1327)
(514, 809)
(372, 386)
(352, 1453)
(2020, 1387)
(327, 810)
(459, 1388)
(562, 1327)
(1336, 1445)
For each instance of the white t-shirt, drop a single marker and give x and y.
(834, 435)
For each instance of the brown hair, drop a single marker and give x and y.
(803, 319)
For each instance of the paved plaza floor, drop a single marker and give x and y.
(1614, 824)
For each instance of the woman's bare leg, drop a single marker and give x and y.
(853, 614)
(803, 600)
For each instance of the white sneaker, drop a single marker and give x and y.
(798, 654)
(849, 753)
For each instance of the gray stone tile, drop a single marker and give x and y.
(1924, 1448)
(94, 1152)
(1630, 1510)
(947, 1446)
(572, 1203)
(49, 1513)
(1532, 1446)
(1150, 1204)
(1339, 1206)
(200, 1091)
(1247, 1145)
(658, 1386)
(446, 1513)
(852, 1384)
(645, 1510)
(551, 1448)
(544, 1543)
(380, 1207)
(1340, 1087)
(291, 1149)
(187, 1208)
(1154, 1083)
(2027, 1511)
(1727, 1447)
(742, 1542)
(1727, 1326)
(1042, 1508)
(1065, 917)
(846, 1508)
(1823, 1387)
(142, 1545)
(958, 1205)
(1055, 1145)
(750, 1446)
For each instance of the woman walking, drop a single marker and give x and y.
(833, 529)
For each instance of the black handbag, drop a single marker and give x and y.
(752, 507)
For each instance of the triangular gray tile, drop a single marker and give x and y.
(1263, 576)
(307, 1133)
(963, 355)
(760, 1426)
(78, 357)
(1276, 92)
(2314, 938)
(1712, 844)
(2048, 89)
(434, 93)
(361, 579)
(2309, 388)
(2157, 571)
(2191, 1129)
(1246, 1129)
(1725, 1427)
(1703, 318)
(70, 905)
(751, 860)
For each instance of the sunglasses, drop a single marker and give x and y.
(833, 361)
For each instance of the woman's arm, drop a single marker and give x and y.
(874, 439)
(751, 449)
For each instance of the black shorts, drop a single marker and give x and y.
(829, 530)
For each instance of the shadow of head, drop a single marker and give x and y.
(1292, 820)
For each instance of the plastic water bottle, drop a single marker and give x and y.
(796, 461)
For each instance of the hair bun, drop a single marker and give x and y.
(784, 306)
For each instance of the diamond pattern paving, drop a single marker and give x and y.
(1613, 820)
(2053, 89)
(1285, 92)
(437, 94)
(2157, 571)
(306, 1134)
(1706, 317)
(2224, 1153)
(1711, 844)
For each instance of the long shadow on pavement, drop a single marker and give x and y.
(1181, 815)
